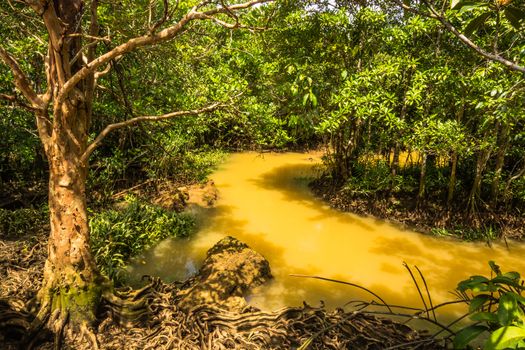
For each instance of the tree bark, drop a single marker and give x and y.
(71, 287)
(452, 179)
(422, 180)
(475, 191)
(454, 159)
(503, 141)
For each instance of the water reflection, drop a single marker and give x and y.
(265, 202)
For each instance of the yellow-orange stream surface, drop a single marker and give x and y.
(265, 202)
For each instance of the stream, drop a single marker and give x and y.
(265, 202)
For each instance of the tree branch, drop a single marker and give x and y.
(147, 40)
(15, 100)
(165, 16)
(20, 80)
(98, 140)
(434, 14)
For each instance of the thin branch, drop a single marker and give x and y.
(147, 40)
(165, 16)
(98, 140)
(16, 102)
(434, 14)
(89, 46)
(9, 98)
(103, 72)
(347, 283)
(20, 79)
(223, 23)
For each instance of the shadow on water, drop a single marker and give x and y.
(292, 180)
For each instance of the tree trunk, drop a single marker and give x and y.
(452, 179)
(483, 156)
(454, 159)
(422, 179)
(402, 116)
(71, 288)
(395, 160)
(500, 161)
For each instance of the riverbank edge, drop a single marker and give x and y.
(432, 218)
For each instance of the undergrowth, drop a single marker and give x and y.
(119, 234)
(20, 222)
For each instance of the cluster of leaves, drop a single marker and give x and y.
(497, 306)
(118, 235)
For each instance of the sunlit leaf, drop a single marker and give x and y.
(507, 309)
(305, 98)
(473, 281)
(313, 98)
(505, 337)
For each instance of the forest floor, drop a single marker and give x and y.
(432, 217)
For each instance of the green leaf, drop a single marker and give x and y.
(466, 5)
(484, 317)
(505, 337)
(514, 16)
(513, 275)
(494, 267)
(313, 98)
(344, 74)
(305, 98)
(466, 335)
(507, 309)
(506, 280)
(471, 282)
(478, 301)
(476, 23)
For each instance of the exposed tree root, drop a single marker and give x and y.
(149, 318)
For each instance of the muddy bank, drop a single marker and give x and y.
(170, 319)
(431, 217)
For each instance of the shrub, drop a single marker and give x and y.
(118, 235)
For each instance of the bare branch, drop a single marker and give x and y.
(147, 40)
(434, 14)
(223, 23)
(137, 120)
(165, 16)
(103, 72)
(9, 98)
(20, 79)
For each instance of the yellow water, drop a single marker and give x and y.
(265, 202)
